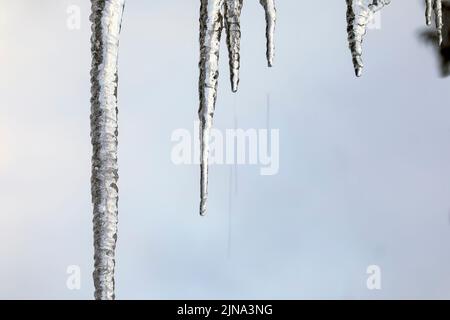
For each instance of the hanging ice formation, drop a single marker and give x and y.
(359, 14)
(214, 16)
(106, 18)
(435, 6)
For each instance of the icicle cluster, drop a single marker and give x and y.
(271, 16)
(214, 15)
(435, 6)
(106, 20)
(358, 17)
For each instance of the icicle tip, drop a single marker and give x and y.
(203, 209)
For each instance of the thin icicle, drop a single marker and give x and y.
(211, 24)
(428, 11)
(435, 6)
(358, 17)
(106, 20)
(271, 17)
(232, 11)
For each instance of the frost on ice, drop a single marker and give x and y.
(106, 18)
(434, 6)
(214, 16)
(359, 15)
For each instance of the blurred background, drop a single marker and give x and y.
(364, 176)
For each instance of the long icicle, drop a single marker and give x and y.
(106, 21)
(358, 17)
(271, 16)
(211, 24)
(233, 9)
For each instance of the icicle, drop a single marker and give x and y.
(271, 16)
(358, 17)
(214, 14)
(106, 20)
(428, 11)
(211, 24)
(233, 10)
(436, 7)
